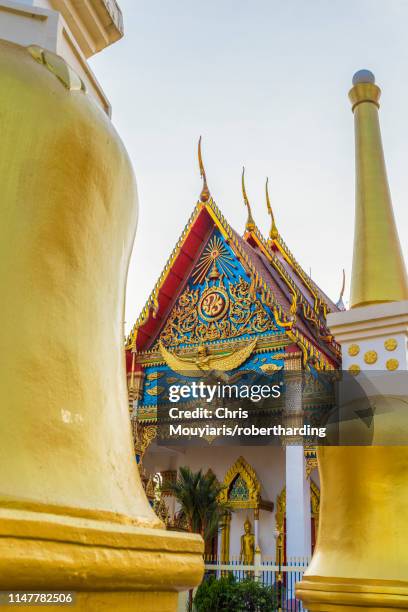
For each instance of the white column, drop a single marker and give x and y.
(257, 563)
(298, 517)
(256, 527)
(219, 543)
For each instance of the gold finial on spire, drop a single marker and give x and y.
(250, 224)
(378, 273)
(205, 193)
(273, 233)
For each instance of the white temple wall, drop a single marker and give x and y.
(269, 466)
(298, 512)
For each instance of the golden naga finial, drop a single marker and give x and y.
(273, 233)
(250, 224)
(205, 193)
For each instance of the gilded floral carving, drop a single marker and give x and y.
(240, 313)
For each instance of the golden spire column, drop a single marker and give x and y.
(379, 273)
(361, 558)
(73, 514)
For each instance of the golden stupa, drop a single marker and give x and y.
(361, 560)
(73, 515)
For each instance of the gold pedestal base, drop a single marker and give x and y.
(110, 566)
(117, 602)
(360, 561)
(322, 594)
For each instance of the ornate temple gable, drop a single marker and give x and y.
(237, 295)
(221, 312)
(206, 216)
(217, 294)
(219, 302)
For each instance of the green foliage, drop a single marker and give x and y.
(256, 597)
(197, 494)
(228, 595)
(213, 595)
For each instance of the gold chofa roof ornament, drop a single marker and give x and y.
(273, 232)
(205, 192)
(250, 224)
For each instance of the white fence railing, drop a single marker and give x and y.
(267, 571)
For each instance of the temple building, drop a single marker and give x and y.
(240, 302)
(74, 517)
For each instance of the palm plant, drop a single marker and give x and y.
(198, 495)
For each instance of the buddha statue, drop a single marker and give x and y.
(247, 553)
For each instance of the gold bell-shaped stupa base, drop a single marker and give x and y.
(361, 557)
(361, 560)
(73, 514)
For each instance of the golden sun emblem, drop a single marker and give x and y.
(214, 260)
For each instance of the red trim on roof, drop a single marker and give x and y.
(176, 279)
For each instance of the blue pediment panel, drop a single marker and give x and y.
(257, 369)
(218, 303)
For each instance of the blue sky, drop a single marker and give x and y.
(265, 82)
